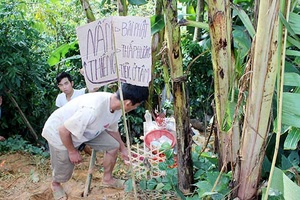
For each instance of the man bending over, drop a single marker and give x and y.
(92, 119)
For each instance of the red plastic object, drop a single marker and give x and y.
(156, 135)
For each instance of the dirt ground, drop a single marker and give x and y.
(26, 177)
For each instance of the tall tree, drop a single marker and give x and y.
(219, 15)
(181, 111)
(263, 64)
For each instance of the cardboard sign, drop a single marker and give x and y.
(116, 43)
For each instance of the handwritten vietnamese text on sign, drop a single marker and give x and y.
(122, 43)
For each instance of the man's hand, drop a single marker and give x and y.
(75, 157)
(65, 136)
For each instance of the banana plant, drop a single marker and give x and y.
(261, 70)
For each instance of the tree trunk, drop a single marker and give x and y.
(181, 108)
(222, 59)
(264, 64)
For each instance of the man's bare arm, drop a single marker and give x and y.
(66, 139)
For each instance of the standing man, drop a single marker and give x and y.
(91, 119)
(65, 85)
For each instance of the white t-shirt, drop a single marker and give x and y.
(61, 99)
(85, 117)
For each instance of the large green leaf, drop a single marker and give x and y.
(283, 186)
(228, 118)
(294, 22)
(292, 139)
(191, 13)
(241, 41)
(292, 53)
(291, 109)
(60, 53)
(245, 19)
(287, 24)
(157, 23)
(293, 42)
(292, 79)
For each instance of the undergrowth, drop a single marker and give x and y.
(18, 144)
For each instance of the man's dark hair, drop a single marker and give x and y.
(62, 75)
(137, 94)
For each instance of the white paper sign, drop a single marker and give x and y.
(116, 42)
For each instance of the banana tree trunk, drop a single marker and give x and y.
(222, 59)
(183, 133)
(122, 7)
(88, 11)
(264, 62)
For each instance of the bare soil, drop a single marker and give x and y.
(27, 177)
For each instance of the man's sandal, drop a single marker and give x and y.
(60, 194)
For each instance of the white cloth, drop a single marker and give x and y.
(61, 99)
(85, 117)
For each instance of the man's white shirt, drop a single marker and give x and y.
(61, 99)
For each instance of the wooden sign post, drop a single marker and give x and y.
(115, 49)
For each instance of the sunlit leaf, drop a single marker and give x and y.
(292, 52)
(291, 109)
(60, 53)
(293, 42)
(157, 23)
(284, 185)
(292, 139)
(191, 14)
(292, 79)
(290, 26)
(294, 22)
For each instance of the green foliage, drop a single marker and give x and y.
(210, 184)
(207, 174)
(292, 139)
(287, 160)
(200, 77)
(165, 184)
(282, 187)
(135, 121)
(18, 144)
(24, 72)
(157, 23)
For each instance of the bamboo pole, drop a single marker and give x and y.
(90, 174)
